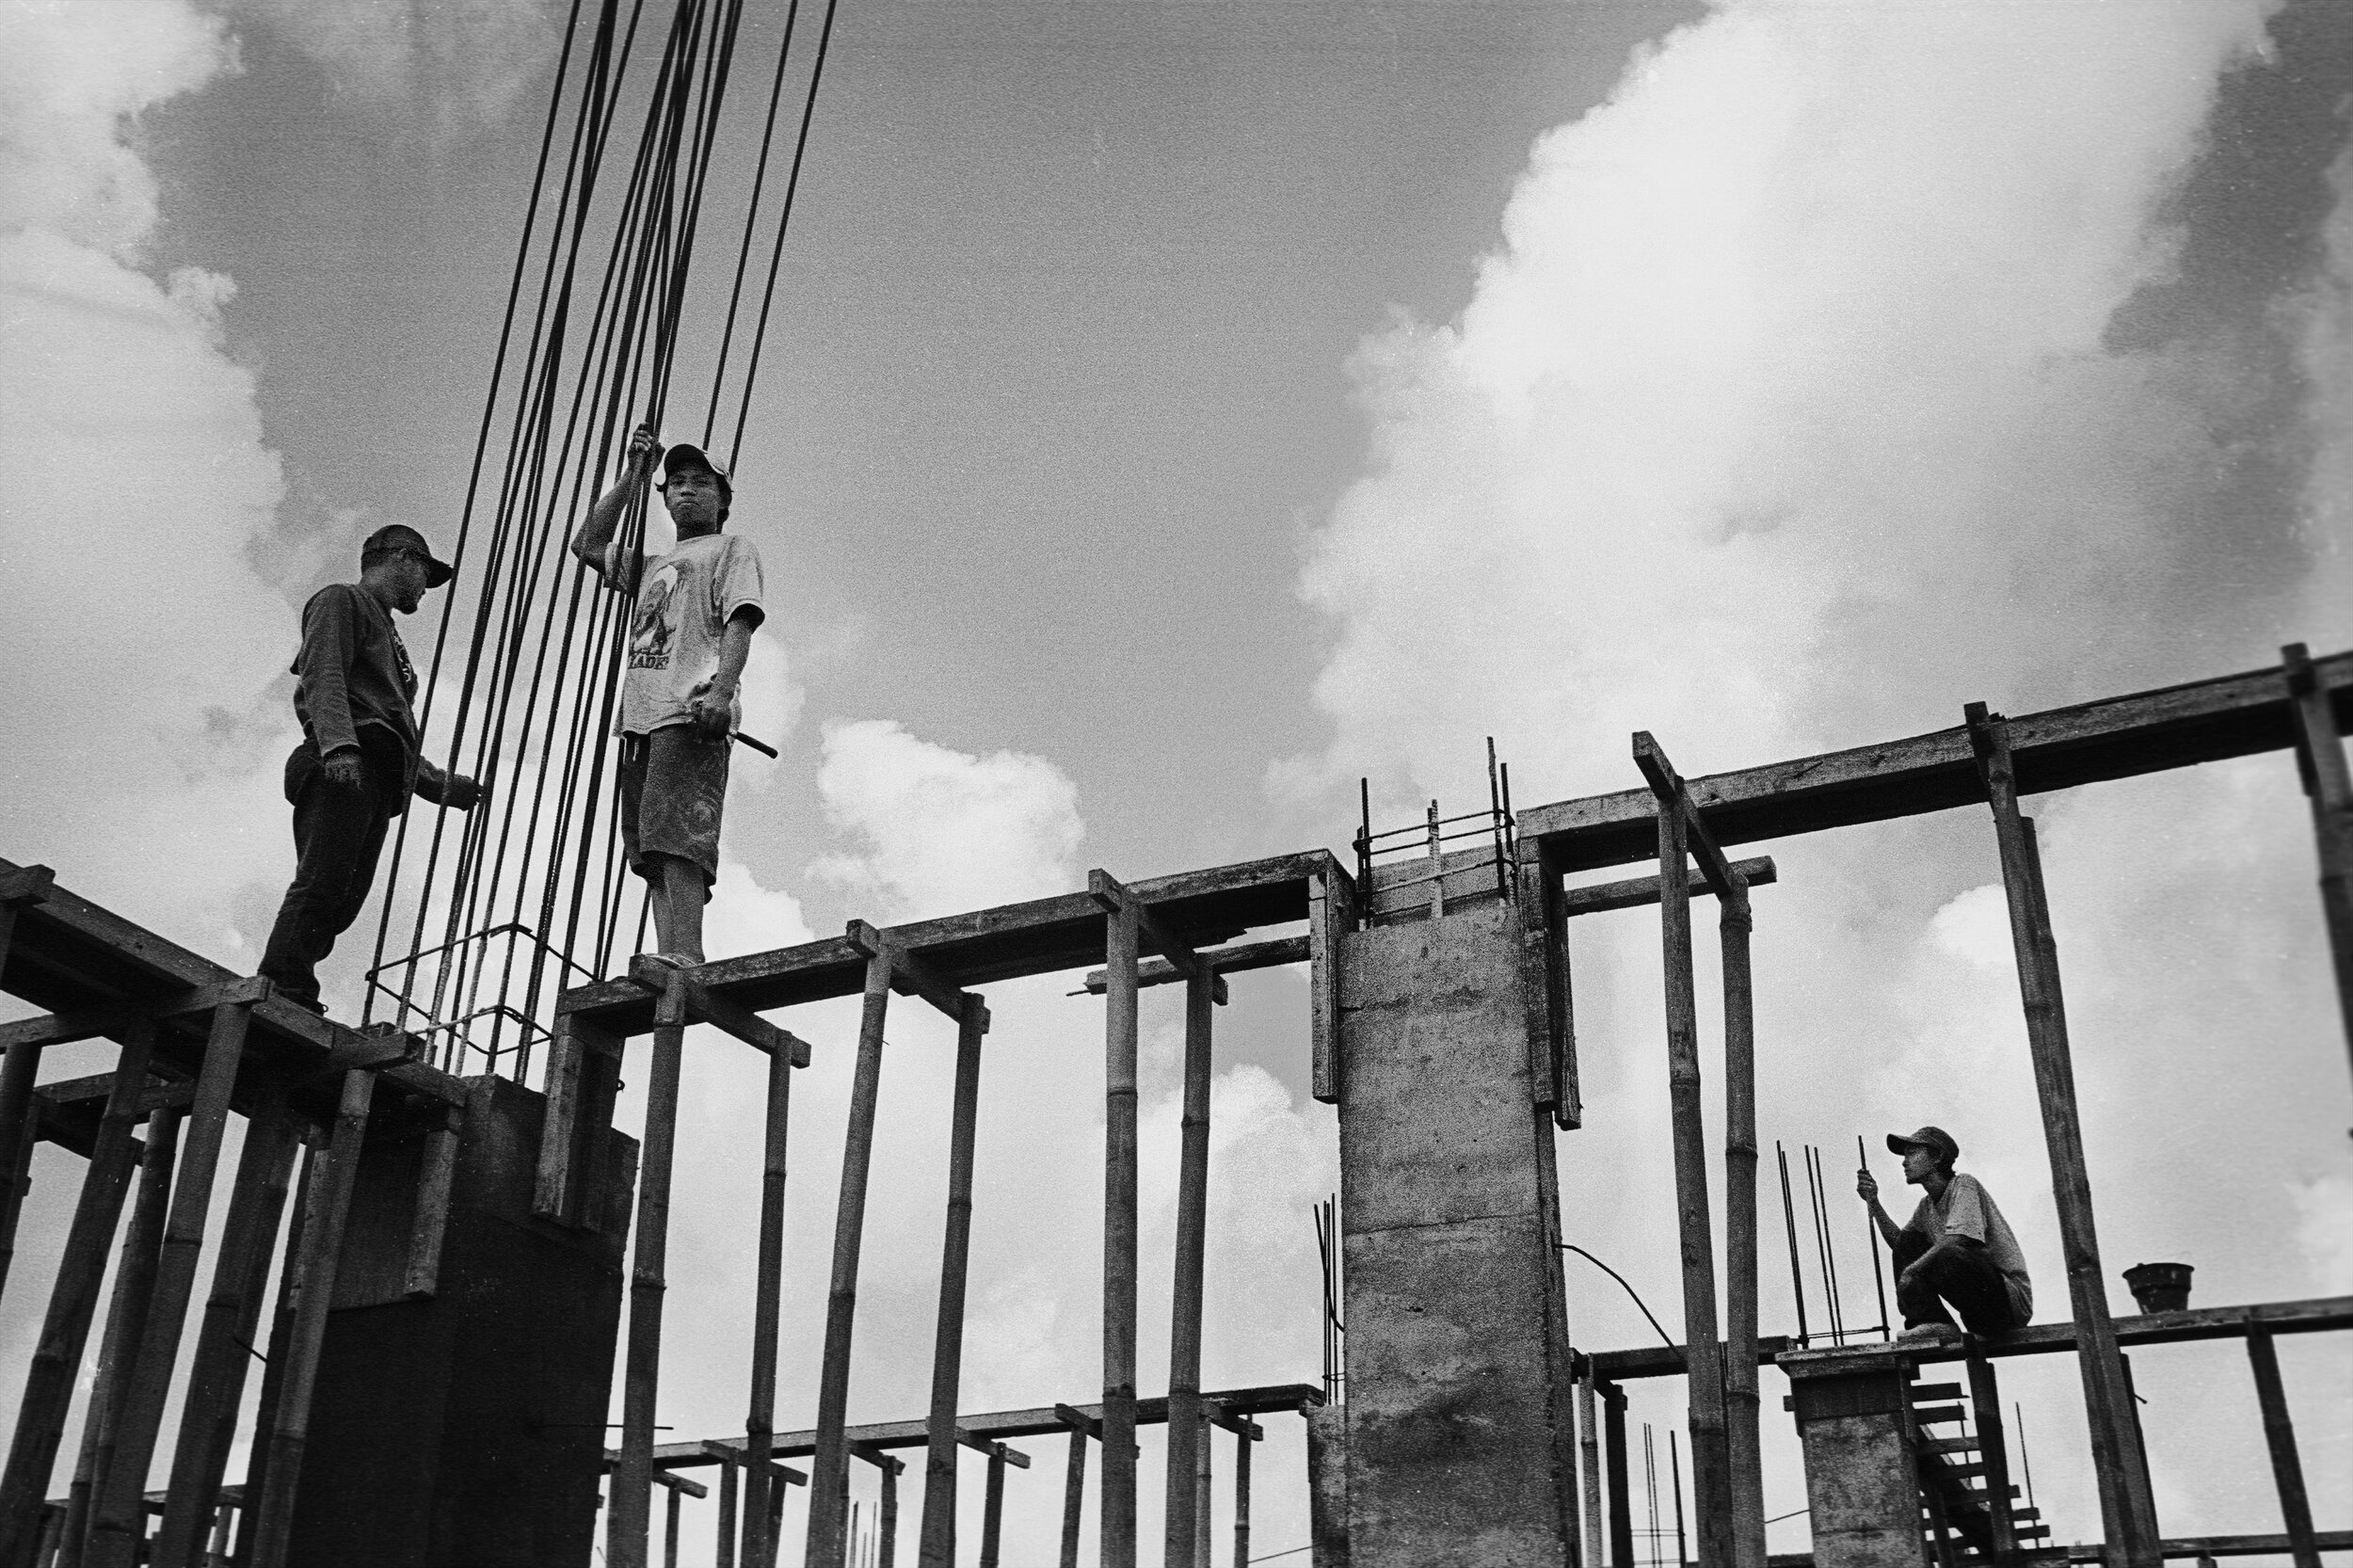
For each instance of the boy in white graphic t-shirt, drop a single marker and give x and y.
(689, 633)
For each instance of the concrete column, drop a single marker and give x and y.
(1460, 1436)
(1861, 1479)
(466, 1429)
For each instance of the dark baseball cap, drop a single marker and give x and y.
(687, 455)
(1927, 1137)
(399, 537)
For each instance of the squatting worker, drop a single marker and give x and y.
(1956, 1248)
(360, 756)
(689, 634)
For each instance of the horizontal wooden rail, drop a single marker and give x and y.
(978, 1431)
(2318, 1315)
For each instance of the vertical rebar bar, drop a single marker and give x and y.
(1879, 1270)
(1789, 1223)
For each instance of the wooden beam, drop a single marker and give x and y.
(2328, 784)
(629, 1515)
(2120, 737)
(2287, 1468)
(73, 1301)
(1123, 922)
(1743, 1441)
(999, 1426)
(1330, 914)
(217, 1367)
(58, 1028)
(2127, 1512)
(1036, 937)
(322, 1244)
(2318, 1315)
(704, 1005)
(1638, 893)
(1074, 1485)
(1710, 1459)
(1186, 1436)
(118, 1520)
(1667, 786)
(1109, 895)
(910, 976)
(1272, 954)
(937, 1541)
(767, 1300)
(828, 1521)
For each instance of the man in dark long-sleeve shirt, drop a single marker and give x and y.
(360, 756)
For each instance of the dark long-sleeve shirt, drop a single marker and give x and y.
(353, 672)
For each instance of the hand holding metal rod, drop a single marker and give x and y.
(1870, 1222)
(758, 745)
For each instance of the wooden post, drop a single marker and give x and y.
(73, 1301)
(322, 1245)
(2127, 1513)
(127, 1319)
(1243, 1439)
(1985, 1398)
(1741, 1401)
(937, 1546)
(993, 1506)
(669, 1534)
(18, 1074)
(118, 1519)
(437, 1178)
(1119, 1238)
(1589, 1434)
(1074, 1491)
(886, 1526)
(760, 1422)
(1704, 1358)
(2320, 761)
(1613, 1440)
(281, 1330)
(2287, 1470)
(629, 1522)
(829, 1466)
(725, 1554)
(1187, 1435)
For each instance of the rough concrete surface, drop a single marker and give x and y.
(1456, 1449)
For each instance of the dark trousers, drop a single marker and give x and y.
(337, 835)
(1966, 1279)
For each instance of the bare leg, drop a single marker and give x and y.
(677, 907)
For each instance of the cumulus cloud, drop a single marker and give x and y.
(147, 643)
(1847, 364)
(941, 830)
(463, 63)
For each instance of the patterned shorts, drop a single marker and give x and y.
(674, 784)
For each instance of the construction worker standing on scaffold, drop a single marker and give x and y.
(360, 756)
(1956, 1248)
(689, 633)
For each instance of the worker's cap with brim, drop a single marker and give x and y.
(1927, 1137)
(399, 537)
(687, 455)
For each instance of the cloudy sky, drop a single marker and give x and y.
(1176, 411)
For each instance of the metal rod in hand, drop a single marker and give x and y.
(1789, 1223)
(1870, 1222)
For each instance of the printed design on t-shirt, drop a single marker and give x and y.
(654, 630)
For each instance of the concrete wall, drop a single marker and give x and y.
(467, 1429)
(1458, 1438)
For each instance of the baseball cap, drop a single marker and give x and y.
(399, 536)
(686, 453)
(1927, 1137)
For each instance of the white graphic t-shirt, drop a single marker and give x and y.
(674, 631)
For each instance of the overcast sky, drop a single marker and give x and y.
(1176, 411)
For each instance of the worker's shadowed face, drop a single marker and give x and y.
(398, 578)
(695, 499)
(1919, 1159)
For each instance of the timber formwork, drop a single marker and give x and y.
(196, 1042)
